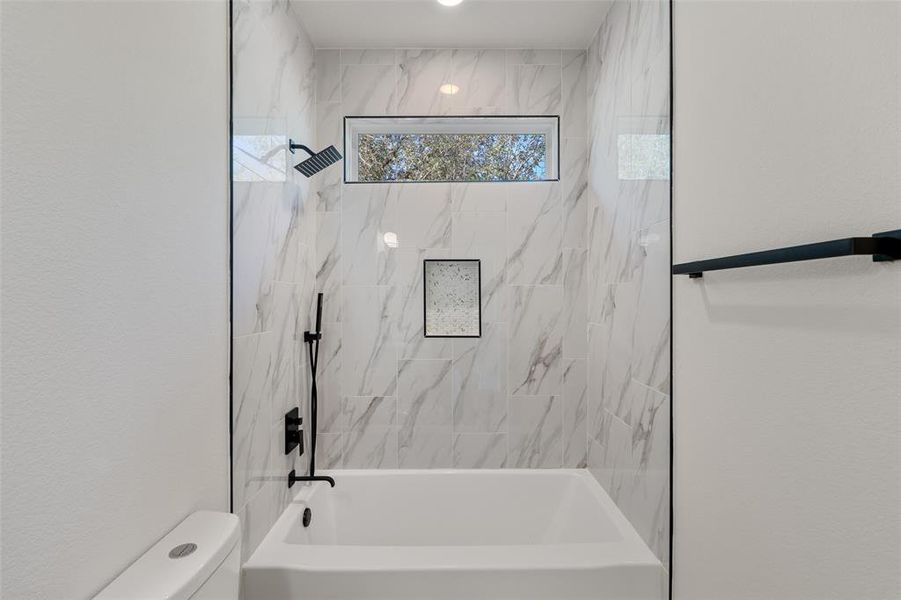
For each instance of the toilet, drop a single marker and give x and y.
(200, 559)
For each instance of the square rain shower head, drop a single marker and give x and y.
(319, 161)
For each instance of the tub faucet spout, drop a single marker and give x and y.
(294, 478)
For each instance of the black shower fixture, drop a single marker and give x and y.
(317, 161)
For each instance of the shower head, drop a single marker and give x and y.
(317, 161)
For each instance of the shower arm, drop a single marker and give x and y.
(292, 147)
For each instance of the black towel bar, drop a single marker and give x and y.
(881, 246)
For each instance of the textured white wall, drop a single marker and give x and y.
(787, 378)
(115, 284)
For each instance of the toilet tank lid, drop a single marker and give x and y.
(156, 575)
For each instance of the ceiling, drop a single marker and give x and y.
(472, 24)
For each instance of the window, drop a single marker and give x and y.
(464, 149)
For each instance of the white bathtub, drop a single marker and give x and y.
(463, 535)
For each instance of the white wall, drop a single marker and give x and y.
(115, 284)
(787, 397)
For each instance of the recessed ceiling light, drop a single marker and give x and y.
(449, 89)
(450, 2)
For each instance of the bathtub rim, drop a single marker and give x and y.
(276, 553)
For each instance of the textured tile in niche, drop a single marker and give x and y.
(452, 298)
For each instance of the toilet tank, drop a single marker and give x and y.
(198, 560)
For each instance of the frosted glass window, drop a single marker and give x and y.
(453, 298)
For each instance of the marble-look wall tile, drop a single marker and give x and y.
(480, 381)
(618, 354)
(650, 100)
(651, 338)
(329, 380)
(534, 57)
(534, 89)
(295, 230)
(367, 56)
(628, 85)
(479, 197)
(369, 363)
(575, 413)
(574, 156)
(648, 506)
(424, 394)
(377, 285)
(329, 451)
(253, 227)
(327, 184)
(258, 514)
(596, 410)
(367, 213)
(373, 448)
(404, 305)
(483, 236)
(536, 432)
(274, 72)
(289, 362)
(536, 340)
(329, 265)
(480, 450)
(365, 412)
(481, 76)
(425, 448)
(421, 73)
(424, 215)
(534, 234)
(616, 468)
(575, 303)
(369, 90)
(252, 370)
(574, 120)
(648, 32)
(328, 75)
(424, 410)
(274, 228)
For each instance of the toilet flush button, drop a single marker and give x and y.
(182, 550)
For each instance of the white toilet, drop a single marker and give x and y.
(200, 559)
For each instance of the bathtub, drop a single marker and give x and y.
(462, 535)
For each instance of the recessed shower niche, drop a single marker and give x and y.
(452, 298)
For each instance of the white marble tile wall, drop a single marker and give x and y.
(627, 278)
(274, 225)
(515, 397)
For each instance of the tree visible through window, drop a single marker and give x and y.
(451, 148)
(452, 157)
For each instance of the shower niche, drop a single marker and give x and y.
(452, 299)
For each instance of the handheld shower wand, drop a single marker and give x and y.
(313, 339)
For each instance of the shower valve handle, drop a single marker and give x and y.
(293, 432)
